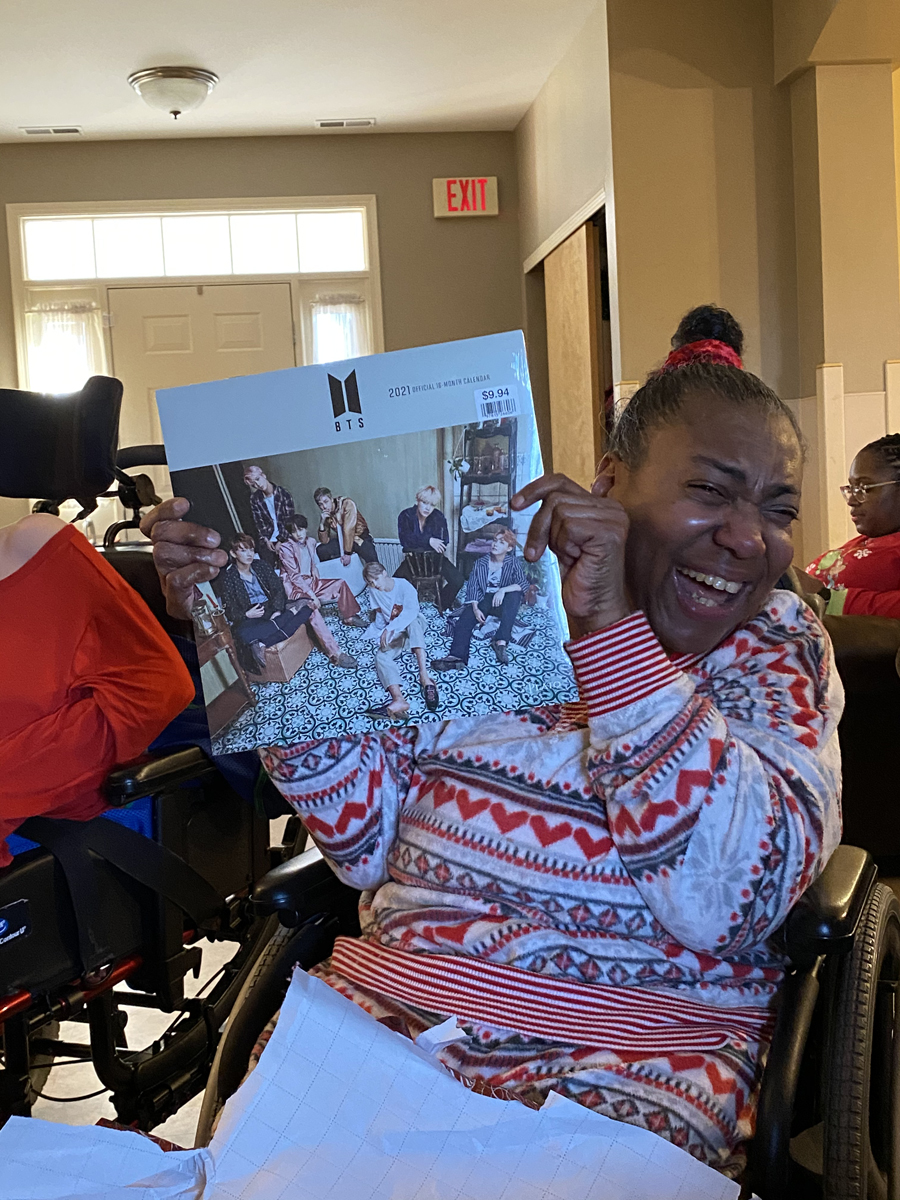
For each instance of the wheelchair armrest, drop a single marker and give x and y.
(824, 919)
(300, 888)
(153, 773)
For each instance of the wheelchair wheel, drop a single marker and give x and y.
(41, 1063)
(861, 1082)
(25, 1092)
(257, 1003)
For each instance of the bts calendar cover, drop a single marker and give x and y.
(376, 574)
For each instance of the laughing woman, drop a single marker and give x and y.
(592, 890)
(863, 575)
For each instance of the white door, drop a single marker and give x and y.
(171, 336)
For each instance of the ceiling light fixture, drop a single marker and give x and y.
(175, 90)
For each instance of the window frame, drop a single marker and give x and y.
(302, 285)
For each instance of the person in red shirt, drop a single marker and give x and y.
(88, 678)
(864, 574)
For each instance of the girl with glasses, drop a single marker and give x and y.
(864, 574)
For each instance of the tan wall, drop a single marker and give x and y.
(808, 227)
(702, 179)
(563, 139)
(895, 90)
(563, 152)
(858, 199)
(798, 26)
(845, 187)
(441, 279)
(858, 31)
(834, 31)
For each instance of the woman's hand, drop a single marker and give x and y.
(256, 611)
(498, 598)
(479, 615)
(437, 545)
(184, 554)
(587, 532)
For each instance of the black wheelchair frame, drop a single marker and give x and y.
(214, 849)
(823, 1081)
(111, 919)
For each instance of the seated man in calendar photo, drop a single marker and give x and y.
(494, 589)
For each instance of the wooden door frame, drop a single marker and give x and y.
(572, 289)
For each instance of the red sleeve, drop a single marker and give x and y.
(860, 602)
(126, 682)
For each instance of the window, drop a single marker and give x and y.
(307, 242)
(66, 257)
(338, 328)
(64, 345)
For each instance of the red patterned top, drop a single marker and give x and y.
(653, 837)
(864, 575)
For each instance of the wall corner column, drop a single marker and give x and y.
(832, 454)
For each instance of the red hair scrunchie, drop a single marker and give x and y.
(709, 350)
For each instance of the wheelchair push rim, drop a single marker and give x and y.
(862, 1062)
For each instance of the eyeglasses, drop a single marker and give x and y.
(859, 491)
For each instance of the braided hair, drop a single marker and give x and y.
(888, 448)
(708, 323)
(661, 399)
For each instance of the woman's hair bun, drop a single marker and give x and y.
(709, 323)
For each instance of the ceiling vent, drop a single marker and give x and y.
(345, 122)
(50, 130)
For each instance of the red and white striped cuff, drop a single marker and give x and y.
(619, 665)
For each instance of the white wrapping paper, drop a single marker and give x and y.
(341, 1107)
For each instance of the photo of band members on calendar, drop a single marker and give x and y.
(376, 582)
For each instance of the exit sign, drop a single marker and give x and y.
(470, 196)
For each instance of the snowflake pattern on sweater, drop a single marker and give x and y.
(654, 837)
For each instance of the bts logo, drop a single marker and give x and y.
(345, 399)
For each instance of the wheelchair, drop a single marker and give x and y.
(827, 1123)
(828, 1117)
(105, 915)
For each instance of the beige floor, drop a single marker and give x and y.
(144, 1025)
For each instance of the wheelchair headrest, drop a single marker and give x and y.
(59, 447)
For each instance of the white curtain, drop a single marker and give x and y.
(64, 345)
(339, 328)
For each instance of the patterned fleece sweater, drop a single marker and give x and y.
(646, 842)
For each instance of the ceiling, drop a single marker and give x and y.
(415, 65)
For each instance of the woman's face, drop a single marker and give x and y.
(878, 512)
(499, 546)
(425, 508)
(711, 508)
